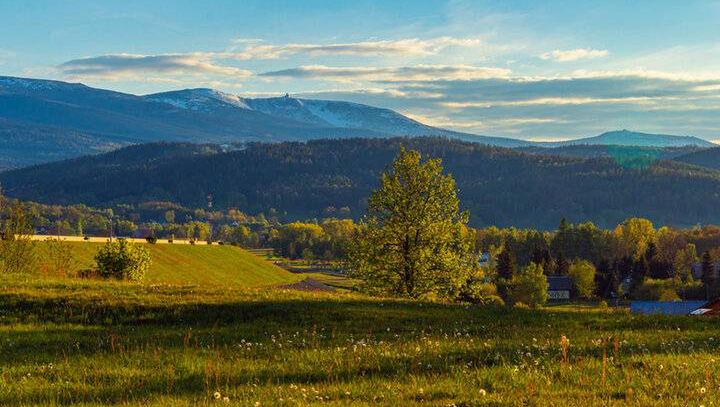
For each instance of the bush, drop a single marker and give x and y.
(476, 291)
(529, 286)
(583, 276)
(170, 241)
(656, 290)
(122, 260)
(151, 239)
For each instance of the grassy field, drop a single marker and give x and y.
(199, 265)
(70, 341)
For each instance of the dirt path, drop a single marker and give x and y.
(309, 284)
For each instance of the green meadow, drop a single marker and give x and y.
(183, 339)
(202, 265)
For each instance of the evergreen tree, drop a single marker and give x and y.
(506, 266)
(708, 273)
(562, 267)
(602, 279)
(639, 272)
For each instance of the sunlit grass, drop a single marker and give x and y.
(65, 341)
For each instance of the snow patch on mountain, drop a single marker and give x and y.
(204, 100)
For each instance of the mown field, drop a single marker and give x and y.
(226, 266)
(69, 341)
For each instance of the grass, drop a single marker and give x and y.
(226, 266)
(69, 341)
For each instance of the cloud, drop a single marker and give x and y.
(574, 54)
(404, 47)
(128, 66)
(389, 74)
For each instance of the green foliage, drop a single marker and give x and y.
(478, 290)
(413, 241)
(634, 236)
(656, 290)
(529, 286)
(122, 260)
(582, 273)
(499, 186)
(18, 252)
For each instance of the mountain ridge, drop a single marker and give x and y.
(77, 119)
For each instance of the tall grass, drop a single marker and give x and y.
(66, 341)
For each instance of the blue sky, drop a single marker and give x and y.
(526, 69)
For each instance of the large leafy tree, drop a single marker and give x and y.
(413, 241)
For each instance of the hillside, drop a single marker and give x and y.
(709, 158)
(499, 186)
(206, 266)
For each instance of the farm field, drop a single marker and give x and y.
(70, 341)
(215, 265)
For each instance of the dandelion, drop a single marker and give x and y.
(702, 390)
(257, 404)
(482, 392)
(217, 395)
(226, 399)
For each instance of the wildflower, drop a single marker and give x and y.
(217, 395)
(257, 404)
(702, 390)
(226, 399)
(483, 392)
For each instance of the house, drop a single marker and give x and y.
(709, 308)
(665, 307)
(559, 287)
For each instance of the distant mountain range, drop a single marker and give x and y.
(632, 138)
(43, 120)
(498, 186)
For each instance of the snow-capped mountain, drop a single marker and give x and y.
(337, 117)
(42, 120)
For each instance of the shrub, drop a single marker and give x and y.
(529, 286)
(86, 237)
(151, 239)
(170, 241)
(476, 291)
(583, 276)
(122, 260)
(656, 290)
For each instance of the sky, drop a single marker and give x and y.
(549, 70)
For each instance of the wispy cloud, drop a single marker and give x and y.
(393, 74)
(123, 66)
(574, 54)
(404, 47)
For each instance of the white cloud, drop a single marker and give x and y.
(404, 47)
(129, 66)
(390, 74)
(574, 54)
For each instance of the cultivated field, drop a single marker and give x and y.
(71, 341)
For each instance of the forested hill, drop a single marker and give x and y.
(709, 158)
(303, 180)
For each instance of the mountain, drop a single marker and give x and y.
(613, 151)
(69, 119)
(632, 138)
(709, 158)
(304, 180)
(348, 119)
